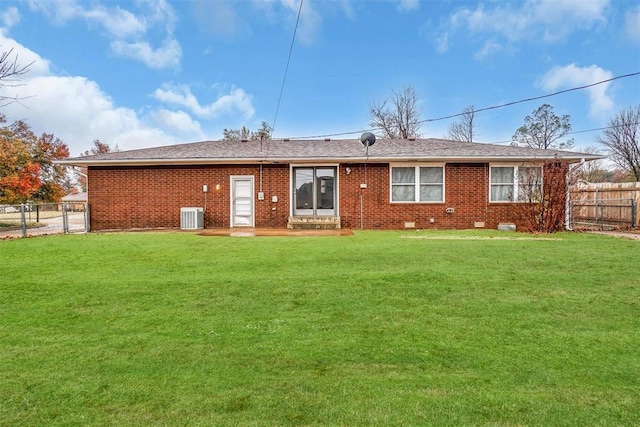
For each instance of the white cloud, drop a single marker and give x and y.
(220, 19)
(75, 109)
(59, 11)
(178, 121)
(235, 101)
(408, 5)
(442, 42)
(549, 21)
(39, 66)
(490, 48)
(572, 76)
(632, 24)
(347, 8)
(9, 18)
(310, 20)
(118, 22)
(128, 31)
(167, 55)
(310, 24)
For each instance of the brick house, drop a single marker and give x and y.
(393, 184)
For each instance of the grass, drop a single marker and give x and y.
(372, 329)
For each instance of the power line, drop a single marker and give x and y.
(581, 131)
(286, 68)
(494, 107)
(533, 98)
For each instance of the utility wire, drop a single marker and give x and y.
(533, 98)
(580, 131)
(494, 107)
(286, 68)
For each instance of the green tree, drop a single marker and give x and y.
(543, 129)
(244, 133)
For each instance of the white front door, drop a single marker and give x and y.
(242, 214)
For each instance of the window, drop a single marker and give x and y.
(314, 190)
(515, 183)
(417, 184)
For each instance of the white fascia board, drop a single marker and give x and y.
(571, 158)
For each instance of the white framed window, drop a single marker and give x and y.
(417, 184)
(510, 183)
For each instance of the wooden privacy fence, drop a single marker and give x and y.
(605, 205)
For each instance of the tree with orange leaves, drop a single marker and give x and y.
(27, 168)
(19, 175)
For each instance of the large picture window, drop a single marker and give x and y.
(413, 184)
(515, 183)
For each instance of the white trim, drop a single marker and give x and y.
(417, 166)
(336, 183)
(232, 179)
(569, 157)
(516, 177)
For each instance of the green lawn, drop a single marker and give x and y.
(468, 328)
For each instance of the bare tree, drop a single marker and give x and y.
(542, 196)
(622, 139)
(10, 73)
(543, 130)
(593, 170)
(464, 130)
(398, 117)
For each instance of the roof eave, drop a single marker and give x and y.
(571, 158)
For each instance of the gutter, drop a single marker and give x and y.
(579, 157)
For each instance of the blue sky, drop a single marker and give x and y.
(156, 72)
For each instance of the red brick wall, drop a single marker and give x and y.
(466, 191)
(151, 197)
(146, 197)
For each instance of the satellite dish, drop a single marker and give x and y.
(368, 139)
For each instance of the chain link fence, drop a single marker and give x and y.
(29, 219)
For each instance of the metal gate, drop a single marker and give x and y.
(603, 213)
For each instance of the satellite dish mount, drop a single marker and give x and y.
(368, 139)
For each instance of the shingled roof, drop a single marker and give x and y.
(338, 151)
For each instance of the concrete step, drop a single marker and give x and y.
(314, 223)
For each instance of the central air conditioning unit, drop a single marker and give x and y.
(191, 218)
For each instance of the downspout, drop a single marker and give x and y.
(567, 202)
(363, 188)
(86, 210)
(264, 160)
